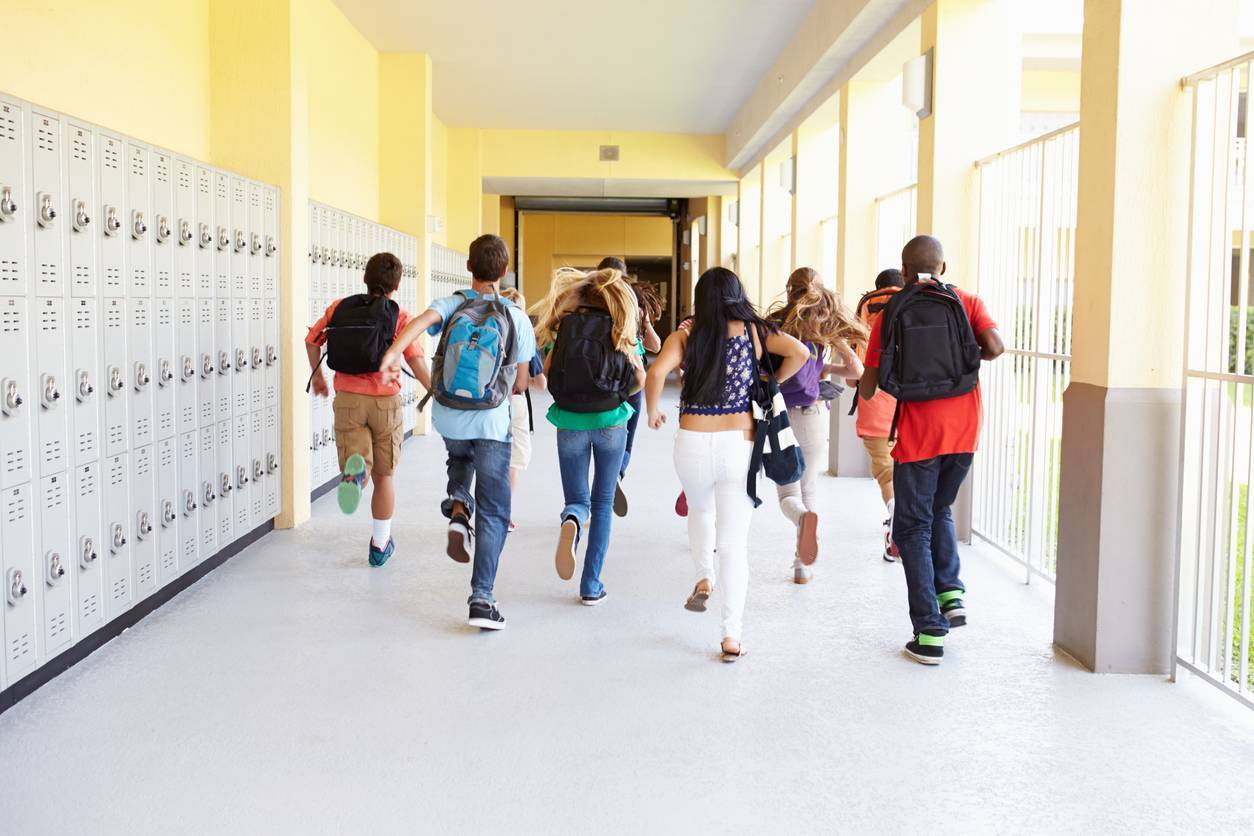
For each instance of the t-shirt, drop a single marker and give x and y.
(486, 424)
(926, 429)
(362, 384)
(564, 419)
(802, 389)
(874, 418)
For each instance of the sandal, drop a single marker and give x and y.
(729, 655)
(696, 601)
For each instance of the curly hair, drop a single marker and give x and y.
(815, 314)
(648, 300)
(572, 288)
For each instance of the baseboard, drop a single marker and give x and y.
(92, 642)
(328, 486)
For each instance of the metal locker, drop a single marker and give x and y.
(115, 376)
(241, 371)
(15, 210)
(164, 224)
(79, 392)
(239, 238)
(87, 551)
(223, 358)
(224, 483)
(274, 477)
(166, 369)
(188, 501)
(184, 222)
(186, 366)
(256, 355)
(207, 489)
(166, 511)
(140, 371)
(47, 192)
(206, 361)
(222, 235)
(115, 548)
(315, 256)
(49, 394)
(143, 521)
(137, 220)
(256, 239)
(111, 217)
(55, 565)
(17, 569)
(204, 232)
(270, 224)
(270, 313)
(15, 393)
(81, 217)
(242, 473)
(258, 477)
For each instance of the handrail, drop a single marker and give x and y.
(1203, 75)
(896, 192)
(1045, 137)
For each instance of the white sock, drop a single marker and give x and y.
(382, 533)
(890, 504)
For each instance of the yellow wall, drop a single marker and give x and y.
(649, 156)
(465, 188)
(490, 217)
(550, 241)
(1051, 90)
(439, 178)
(507, 230)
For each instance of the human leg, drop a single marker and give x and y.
(607, 452)
(574, 454)
(915, 486)
(492, 501)
(734, 511)
(693, 457)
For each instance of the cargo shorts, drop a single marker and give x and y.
(370, 426)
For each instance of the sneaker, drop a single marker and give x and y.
(485, 616)
(681, 504)
(890, 548)
(379, 556)
(351, 485)
(512, 526)
(801, 573)
(808, 538)
(567, 542)
(620, 499)
(459, 538)
(952, 608)
(925, 649)
(592, 600)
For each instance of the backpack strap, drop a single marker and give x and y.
(531, 418)
(309, 382)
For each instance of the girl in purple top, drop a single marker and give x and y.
(815, 315)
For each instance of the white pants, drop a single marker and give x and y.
(809, 425)
(713, 468)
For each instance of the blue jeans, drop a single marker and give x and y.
(486, 464)
(637, 403)
(923, 528)
(593, 511)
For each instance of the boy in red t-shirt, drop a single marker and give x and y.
(936, 441)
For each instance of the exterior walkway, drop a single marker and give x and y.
(297, 690)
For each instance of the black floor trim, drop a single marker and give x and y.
(328, 486)
(58, 665)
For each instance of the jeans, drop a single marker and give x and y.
(923, 528)
(637, 403)
(486, 464)
(594, 511)
(809, 426)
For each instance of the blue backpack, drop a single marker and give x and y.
(475, 366)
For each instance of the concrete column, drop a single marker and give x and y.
(1117, 512)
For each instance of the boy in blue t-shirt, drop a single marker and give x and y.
(477, 440)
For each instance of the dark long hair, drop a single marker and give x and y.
(720, 300)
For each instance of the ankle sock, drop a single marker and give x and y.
(890, 505)
(382, 533)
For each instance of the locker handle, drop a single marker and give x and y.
(112, 222)
(210, 496)
(163, 229)
(224, 238)
(257, 359)
(189, 368)
(51, 394)
(141, 376)
(272, 463)
(47, 212)
(272, 356)
(256, 243)
(15, 588)
(12, 399)
(164, 373)
(241, 241)
(116, 384)
(167, 513)
(271, 249)
(225, 487)
(56, 570)
(87, 552)
(241, 476)
(185, 233)
(241, 359)
(85, 387)
(143, 525)
(139, 227)
(224, 362)
(206, 236)
(258, 470)
(7, 207)
(189, 503)
(81, 219)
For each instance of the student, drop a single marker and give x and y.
(368, 412)
(815, 315)
(590, 320)
(936, 441)
(521, 418)
(486, 343)
(714, 445)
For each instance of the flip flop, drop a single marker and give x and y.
(696, 601)
(808, 538)
(732, 657)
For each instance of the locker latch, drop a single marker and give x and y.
(143, 525)
(165, 373)
(189, 503)
(241, 241)
(189, 368)
(7, 207)
(272, 356)
(12, 399)
(167, 513)
(326, 436)
(55, 568)
(119, 538)
(210, 496)
(317, 441)
(224, 362)
(241, 359)
(206, 365)
(324, 255)
(271, 249)
(241, 476)
(14, 587)
(85, 387)
(81, 219)
(185, 233)
(206, 237)
(258, 471)
(87, 552)
(141, 376)
(257, 358)
(115, 381)
(224, 484)
(163, 229)
(139, 226)
(272, 463)
(47, 212)
(256, 244)
(224, 238)
(49, 391)
(112, 222)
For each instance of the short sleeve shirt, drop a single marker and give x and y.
(362, 384)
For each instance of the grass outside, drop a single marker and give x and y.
(1235, 595)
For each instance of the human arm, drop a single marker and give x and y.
(638, 368)
(792, 351)
(390, 365)
(871, 376)
(652, 342)
(317, 381)
(418, 365)
(849, 367)
(670, 358)
(991, 344)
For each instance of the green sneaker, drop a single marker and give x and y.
(349, 492)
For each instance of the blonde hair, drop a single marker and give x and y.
(571, 288)
(815, 314)
(513, 295)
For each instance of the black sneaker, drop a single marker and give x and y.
(620, 499)
(954, 611)
(459, 538)
(486, 616)
(592, 600)
(925, 649)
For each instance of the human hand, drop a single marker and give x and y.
(320, 385)
(656, 419)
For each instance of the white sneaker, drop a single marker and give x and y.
(801, 573)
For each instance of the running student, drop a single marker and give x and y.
(368, 412)
(486, 342)
(936, 439)
(714, 445)
(521, 419)
(593, 367)
(815, 315)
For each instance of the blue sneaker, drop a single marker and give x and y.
(380, 556)
(349, 492)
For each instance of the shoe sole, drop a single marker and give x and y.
(348, 494)
(376, 562)
(956, 619)
(592, 602)
(808, 539)
(800, 579)
(565, 558)
(923, 660)
(696, 602)
(620, 500)
(888, 558)
(457, 547)
(486, 624)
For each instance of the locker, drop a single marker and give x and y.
(13, 209)
(270, 221)
(239, 238)
(222, 235)
(241, 374)
(166, 370)
(17, 541)
(270, 313)
(224, 360)
(256, 240)
(15, 394)
(256, 355)
(47, 205)
(166, 525)
(184, 220)
(88, 548)
(206, 478)
(274, 479)
(140, 371)
(206, 364)
(225, 485)
(111, 192)
(81, 203)
(257, 457)
(315, 256)
(188, 501)
(242, 473)
(115, 548)
(56, 558)
(49, 402)
(164, 238)
(205, 233)
(137, 220)
(144, 520)
(186, 372)
(114, 376)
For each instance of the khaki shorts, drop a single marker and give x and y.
(371, 427)
(520, 433)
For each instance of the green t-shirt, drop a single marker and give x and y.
(566, 420)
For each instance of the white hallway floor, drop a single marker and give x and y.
(297, 690)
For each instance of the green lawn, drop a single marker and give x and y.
(1235, 593)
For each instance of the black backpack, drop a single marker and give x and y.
(928, 350)
(587, 373)
(359, 333)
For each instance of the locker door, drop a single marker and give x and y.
(205, 233)
(115, 549)
(315, 256)
(241, 441)
(256, 239)
(166, 371)
(111, 192)
(270, 221)
(140, 371)
(222, 235)
(184, 221)
(80, 390)
(274, 479)
(167, 515)
(189, 500)
(164, 231)
(186, 366)
(56, 561)
(225, 486)
(15, 206)
(256, 355)
(241, 373)
(47, 205)
(239, 238)
(49, 396)
(224, 359)
(17, 568)
(206, 361)
(257, 457)
(88, 548)
(207, 498)
(143, 520)
(270, 313)
(81, 208)
(138, 219)
(115, 377)
(15, 393)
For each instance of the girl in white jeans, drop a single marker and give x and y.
(714, 445)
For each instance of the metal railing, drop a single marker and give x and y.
(448, 271)
(1214, 565)
(895, 224)
(1026, 268)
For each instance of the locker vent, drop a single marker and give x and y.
(54, 494)
(188, 416)
(119, 589)
(86, 442)
(189, 550)
(208, 540)
(224, 530)
(8, 271)
(139, 279)
(270, 419)
(53, 454)
(14, 460)
(117, 437)
(143, 462)
(57, 625)
(113, 277)
(80, 150)
(163, 280)
(166, 425)
(242, 517)
(49, 319)
(11, 321)
(206, 412)
(87, 482)
(140, 312)
(163, 315)
(269, 201)
(167, 454)
(49, 274)
(46, 137)
(82, 318)
(203, 182)
(224, 434)
(144, 578)
(169, 559)
(185, 281)
(254, 198)
(117, 472)
(222, 195)
(185, 177)
(15, 507)
(89, 606)
(8, 124)
(19, 647)
(163, 169)
(137, 162)
(241, 431)
(111, 155)
(82, 276)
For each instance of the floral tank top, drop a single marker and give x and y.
(737, 381)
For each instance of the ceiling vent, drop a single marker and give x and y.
(609, 153)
